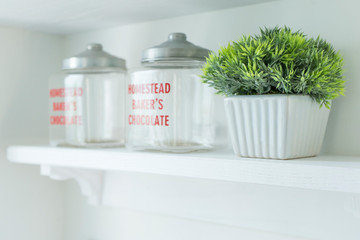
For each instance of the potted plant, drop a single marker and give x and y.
(278, 87)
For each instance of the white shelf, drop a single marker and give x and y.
(75, 16)
(256, 194)
(330, 173)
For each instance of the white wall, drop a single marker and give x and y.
(335, 21)
(150, 206)
(31, 207)
(113, 223)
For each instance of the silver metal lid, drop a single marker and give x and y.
(94, 59)
(174, 49)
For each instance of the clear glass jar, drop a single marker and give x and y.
(87, 105)
(168, 107)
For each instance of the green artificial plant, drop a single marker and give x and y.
(278, 61)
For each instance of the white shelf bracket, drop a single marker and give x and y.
(90, 181)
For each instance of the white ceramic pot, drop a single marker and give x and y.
(276, 126)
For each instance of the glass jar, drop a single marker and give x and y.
(168, 107)
(87, 101)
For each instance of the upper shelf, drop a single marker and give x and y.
(68, 16)
(332, 173)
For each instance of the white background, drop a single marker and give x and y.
(35, 208)
(31, 207)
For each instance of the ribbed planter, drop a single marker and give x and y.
(276, 126)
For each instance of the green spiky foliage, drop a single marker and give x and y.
(278, 61)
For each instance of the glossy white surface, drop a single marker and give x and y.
(331, 173)
(276, 126)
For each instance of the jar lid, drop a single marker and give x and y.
(94, 58)
(175, 48)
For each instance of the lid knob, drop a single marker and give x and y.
(94, 47)
(177, 36)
